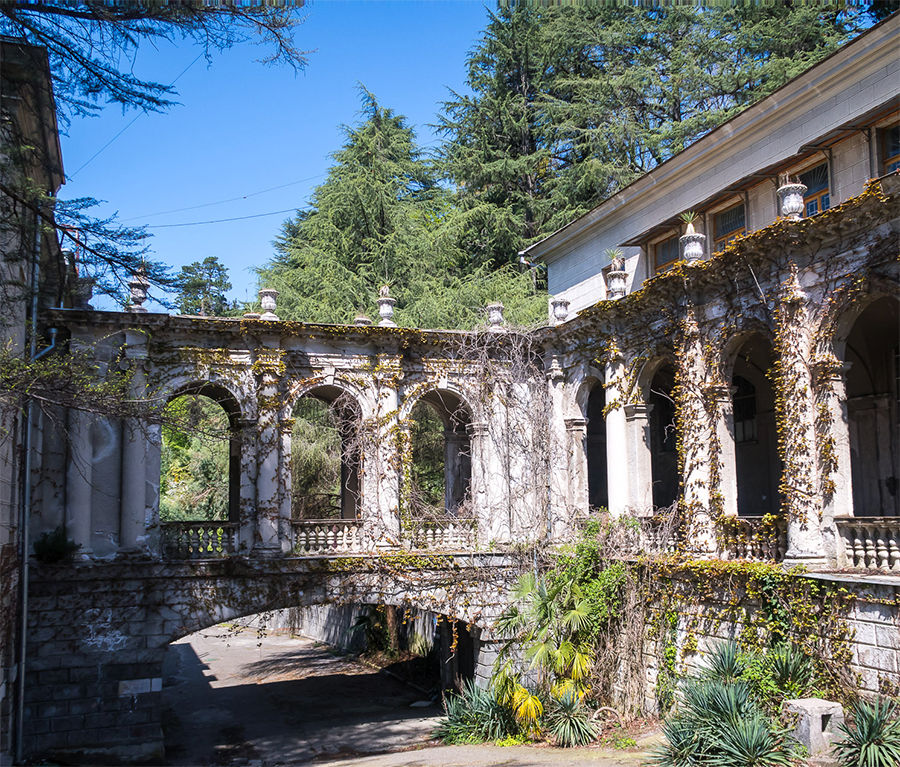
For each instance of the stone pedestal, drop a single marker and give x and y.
(817, 723)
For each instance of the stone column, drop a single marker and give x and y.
(640, 468)
(796, 422)
(834, 449)
(560, 501)
(576, 444)
(268, 451)
(618, 469)
(721, 406)
(454, 483)
(286, 533)
(247, 519)
(133, 518)
(489, 527)
(79, 480)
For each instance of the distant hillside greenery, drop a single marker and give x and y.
(563, 107)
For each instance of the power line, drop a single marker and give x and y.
(221, 220)
(137, 117)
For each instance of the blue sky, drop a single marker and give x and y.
(243, 128)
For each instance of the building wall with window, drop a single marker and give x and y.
(840, 113)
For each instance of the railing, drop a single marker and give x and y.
(870, 543)
(452, 533)
(659, 535)
(326, 536)
(199, 540)
(755, 539)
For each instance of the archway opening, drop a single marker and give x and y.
(757, 463)
(200, 458)
(598, 483)
(663, 437)
(873, 387)
(441, 461)
(325, 456)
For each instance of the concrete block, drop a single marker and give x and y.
(817, 722)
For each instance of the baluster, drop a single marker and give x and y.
(301, 542)
(322, 539)
(330, 542)
(894, 548)
(194, 541)
(859, 549)
(870, 561)
(881, 548)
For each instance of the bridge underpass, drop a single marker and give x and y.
(99, 633)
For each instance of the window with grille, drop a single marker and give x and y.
(818, 195)
(666, 253)
(744, 405)
(890, 151)
(729, 224)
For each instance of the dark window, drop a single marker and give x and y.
(729, 224)
(744, 404)
(818, 195)
(891, 148)
(667, 253)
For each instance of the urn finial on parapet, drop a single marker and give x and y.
(138, 286)
(268, 297)
(386, 307)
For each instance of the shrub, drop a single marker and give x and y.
(874, 738)
(55, 547)
(475, 716)
(569, 721)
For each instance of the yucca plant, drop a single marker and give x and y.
(569, 721)
(792, 671)
(750, 742)
(474, 716)
(874, 738)
(726, 663)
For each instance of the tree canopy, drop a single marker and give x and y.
(202, 287)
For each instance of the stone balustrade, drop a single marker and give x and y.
(753, 539)
(659, 536)
(199, 540)
(448, 534)
(870, 543)
(326, 536)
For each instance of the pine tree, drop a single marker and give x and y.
(202, 288)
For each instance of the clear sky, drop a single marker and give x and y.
(243, 128)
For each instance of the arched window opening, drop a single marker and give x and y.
(441, 457)
(663, 438)
(872, 409)
(200, 461)
(598, 487)
(325, 457)
(757, 463)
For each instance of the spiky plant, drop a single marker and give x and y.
(569, 721)
(874, 738)
(750, 742)
(474, 716)
(726, 663)
(792, 671)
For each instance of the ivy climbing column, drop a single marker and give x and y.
(833, 440)
(268, 367)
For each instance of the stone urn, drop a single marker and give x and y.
(560, 308)
(268, 297)
(615, 283)
(84, 292)
(692, 244)
(792, 204)
(386, 308)
(138, 286)
(362, 321)
(495, 317)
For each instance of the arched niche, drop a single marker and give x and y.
(872, 352)
(754, 430)
(441, 449)
(326, 455)
(200, 468)
(663, 435)
(598, 483)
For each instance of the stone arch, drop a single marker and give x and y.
(753, 429)
(867, 342)
(345, 411)
(328, 388)
(223, 395)
(451, 404)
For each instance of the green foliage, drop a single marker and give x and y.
(55, 547)
(726, 663)
(720, 723)
(475, 716)
(569, 722)
(873, 740)
(195, 461)
(427, 437)
(202, 286)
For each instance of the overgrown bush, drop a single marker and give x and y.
(475, 716)
(873, 740)
(55, 547)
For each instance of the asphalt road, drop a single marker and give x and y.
(233, 700)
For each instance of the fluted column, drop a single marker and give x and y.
(133, 516)
(796, 411)
(617, 455)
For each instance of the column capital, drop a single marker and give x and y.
(478, 429)
(576, 424)
(637, 411)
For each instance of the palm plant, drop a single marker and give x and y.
(874, 738)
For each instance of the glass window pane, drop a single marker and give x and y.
(816, 179)
(730, 220)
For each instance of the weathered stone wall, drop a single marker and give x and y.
(98, 633)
